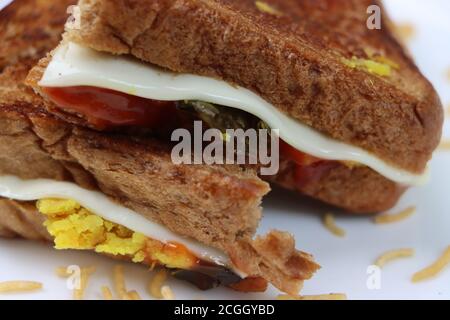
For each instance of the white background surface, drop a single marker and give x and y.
(3, 3)
(344, 261)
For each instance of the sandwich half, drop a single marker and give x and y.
(358, 121)
(118, 192)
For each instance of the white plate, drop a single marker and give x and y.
(344, 261)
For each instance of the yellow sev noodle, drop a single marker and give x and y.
(391, 218)
(433, 269)
(119, 282)
(134, 295)
(330, 224)
(445, 145)
(406, 31)
(156, 284)
(167, 293)
(78, 293)
(19, 286)
(331, 296)
(106, 292)
(392, 255)
(85, 273)
(64, 272)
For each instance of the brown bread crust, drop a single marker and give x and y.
(21, 219)
(358, 189)
(293, 61)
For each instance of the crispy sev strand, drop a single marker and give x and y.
(330, 224)
(167, 293)
(134, 295)
(119, 282)
(106, 292)
(156, 284)
(391, 218)
(445, 145)
(392, 255)
(406, 31)
(19, 286)
(64, 273)
(331, 296)
(78, 293)
(127, 297)
(434, 269)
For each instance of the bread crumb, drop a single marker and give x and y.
(330, 224)
(266, 8)
(391, 218)
(392, 255)
(19, 286)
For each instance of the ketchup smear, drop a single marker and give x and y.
(105, 108)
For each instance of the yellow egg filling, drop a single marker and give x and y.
(74, 227)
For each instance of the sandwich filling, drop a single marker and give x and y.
(120, 91)
(80, 219)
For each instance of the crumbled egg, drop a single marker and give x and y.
(376, 63)
(74, 227)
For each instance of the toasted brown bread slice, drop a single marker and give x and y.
(217, 205)
(293, 58)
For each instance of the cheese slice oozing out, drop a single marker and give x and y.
(14, 188)
(74, 65)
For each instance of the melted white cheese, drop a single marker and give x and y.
(74, 65)
(14, 188)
